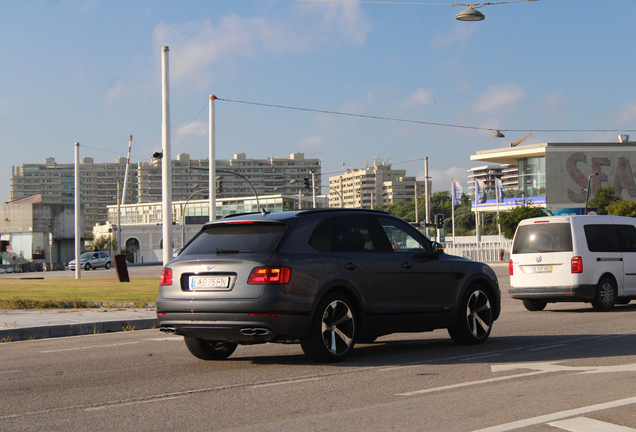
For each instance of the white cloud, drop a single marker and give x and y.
(441, 179)
(420, 97)
(627, 114)
(313, 142)
(552, 102)
(117, 91)
(195, 46)
(194, 129)
(498, 96)
(459, 34)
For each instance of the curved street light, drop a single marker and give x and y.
(244, 178)
(183, 208)
(587, 191)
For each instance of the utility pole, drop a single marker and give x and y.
(78, 237)
(166, 160)
(313, 186)
(212, 158)
(427, 195)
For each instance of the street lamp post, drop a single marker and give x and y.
(183, 209)
(336, 191)
(248, 182)
(587, 191)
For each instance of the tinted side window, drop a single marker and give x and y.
(543, 237)
(601, 238)
(626, 237)
(356, 234)
(322, 238)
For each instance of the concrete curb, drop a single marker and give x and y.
(54, 331)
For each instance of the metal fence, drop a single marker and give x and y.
(483, 251)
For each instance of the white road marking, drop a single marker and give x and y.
(131, 403)
(558, 415)
(468, 384)
(93, 346)
(584, 424)
(285, 382)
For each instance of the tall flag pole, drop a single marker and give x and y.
(123, 194)
(499, 193)
(456, 192)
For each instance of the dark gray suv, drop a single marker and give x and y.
(325, 278)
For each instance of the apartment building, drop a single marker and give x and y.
(99, 181)
(56, 183)
(370, 186)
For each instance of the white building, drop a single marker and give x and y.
(368, 187)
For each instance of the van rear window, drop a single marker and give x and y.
(236, 238)
(543, 237)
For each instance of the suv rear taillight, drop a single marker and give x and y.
(270, 276)
(577, 265)
(166, 277)
(510, 268)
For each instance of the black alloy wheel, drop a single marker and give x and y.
(333, 330)
(475, 317)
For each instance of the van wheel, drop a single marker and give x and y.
(606, 294)
(534, 305)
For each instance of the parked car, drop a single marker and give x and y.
(324, 278)
(574, 258)
(92, 260)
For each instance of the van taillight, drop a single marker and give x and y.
(510, 268)
(270, 276)
(577, 265)
(166, 277)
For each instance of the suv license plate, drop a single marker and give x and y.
(540, 269)
(207, 282)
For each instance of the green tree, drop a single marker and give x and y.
(510, 220)
(103, 243)
(622, 207)
(603, 197)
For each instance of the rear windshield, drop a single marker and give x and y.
(229, 238)
(543, 237)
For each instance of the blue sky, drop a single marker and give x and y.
(90, 71)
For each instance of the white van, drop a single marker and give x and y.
(574, 258)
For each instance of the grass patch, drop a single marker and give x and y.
(83, 293)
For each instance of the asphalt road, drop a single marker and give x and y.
(561, 369)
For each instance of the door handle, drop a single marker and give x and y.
(350, 266)
(407, 265)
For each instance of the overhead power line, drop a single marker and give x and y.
(420, 121)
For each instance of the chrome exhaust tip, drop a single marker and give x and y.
(168, 330)
(254, 332)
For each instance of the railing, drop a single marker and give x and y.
(484, 251)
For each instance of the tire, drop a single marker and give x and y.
(333, 330)
(475, 317)
(209, 350)
(534, 305)
(87, 266)
(606, 295)
(107, 265)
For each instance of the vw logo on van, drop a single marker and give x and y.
(538, 258)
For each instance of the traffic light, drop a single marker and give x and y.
(439, 220)
(219, 185)
(306, 180)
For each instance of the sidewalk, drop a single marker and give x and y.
(18, 325)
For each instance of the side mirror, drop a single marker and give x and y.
(438, 248)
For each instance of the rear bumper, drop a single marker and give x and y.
(242, 328)
(555, 294)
